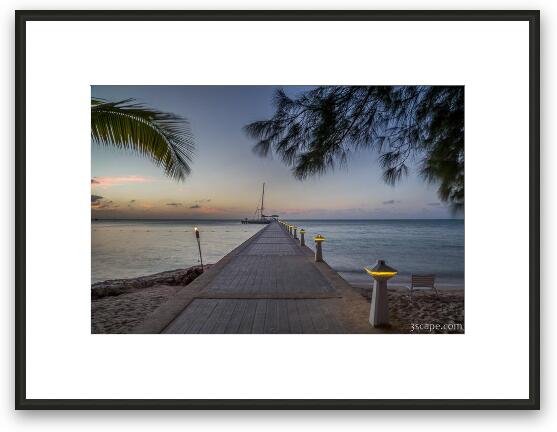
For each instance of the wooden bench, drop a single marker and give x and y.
(423, 281)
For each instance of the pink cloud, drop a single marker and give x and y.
(115, 181)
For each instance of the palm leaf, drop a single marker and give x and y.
(164, 138)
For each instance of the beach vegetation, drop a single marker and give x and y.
(407, 126)
(164, 138)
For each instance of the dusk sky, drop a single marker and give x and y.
(226, 176)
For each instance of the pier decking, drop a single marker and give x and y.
(269, 284)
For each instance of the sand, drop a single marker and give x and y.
(426, 313)
(117, 306)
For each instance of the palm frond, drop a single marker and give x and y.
(164, 138)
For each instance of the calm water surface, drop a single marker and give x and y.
(122, 249)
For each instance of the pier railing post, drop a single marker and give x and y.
(379, 312)
(295, 232)
(319, 239)
(302, 239)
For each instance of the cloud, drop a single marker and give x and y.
(390, 202)
(434, 204)
(174, 204)
(132, 201)
(118, 180)
(195, 206)
(99, 202)
(201, 201)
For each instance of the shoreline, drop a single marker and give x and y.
(119, 305)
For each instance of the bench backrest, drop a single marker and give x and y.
(426, 280)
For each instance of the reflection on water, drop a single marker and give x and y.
(123, 249)
(410, 246)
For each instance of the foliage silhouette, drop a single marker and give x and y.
(164, 138)
(317, 130)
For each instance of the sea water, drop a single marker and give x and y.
(131, 248)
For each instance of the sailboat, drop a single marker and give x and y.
(260, 217)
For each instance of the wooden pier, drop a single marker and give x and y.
(268, 284)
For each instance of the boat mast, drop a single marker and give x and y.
(262, 197)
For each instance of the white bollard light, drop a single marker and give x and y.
(319, 239)
(302, 235)
(379, 312)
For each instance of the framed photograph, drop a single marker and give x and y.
(266, 210)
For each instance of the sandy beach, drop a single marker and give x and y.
(117, 306)
(427, 313)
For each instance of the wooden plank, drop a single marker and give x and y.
(259, 321)
(333, 322)
(305, 318)
(224, 317)
(236, 319)
(201, 316)
(271, 317)
(186, 318)
(249, 316)
(283, 322)
(212, 319)
(293, 317)
(317, 316)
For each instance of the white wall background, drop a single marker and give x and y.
(247, 421)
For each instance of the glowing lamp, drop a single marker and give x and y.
(379, 312)
(381, 270)
(319, 239)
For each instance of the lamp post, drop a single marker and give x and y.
(302, 239)
(318, 250)
(199, 246)
(295, 232)
(379, 313)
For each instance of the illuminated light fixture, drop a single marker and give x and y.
(379, 312)
(381, 270)
(319, 239)
(302, 231)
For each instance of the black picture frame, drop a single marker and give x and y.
(531, 16)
